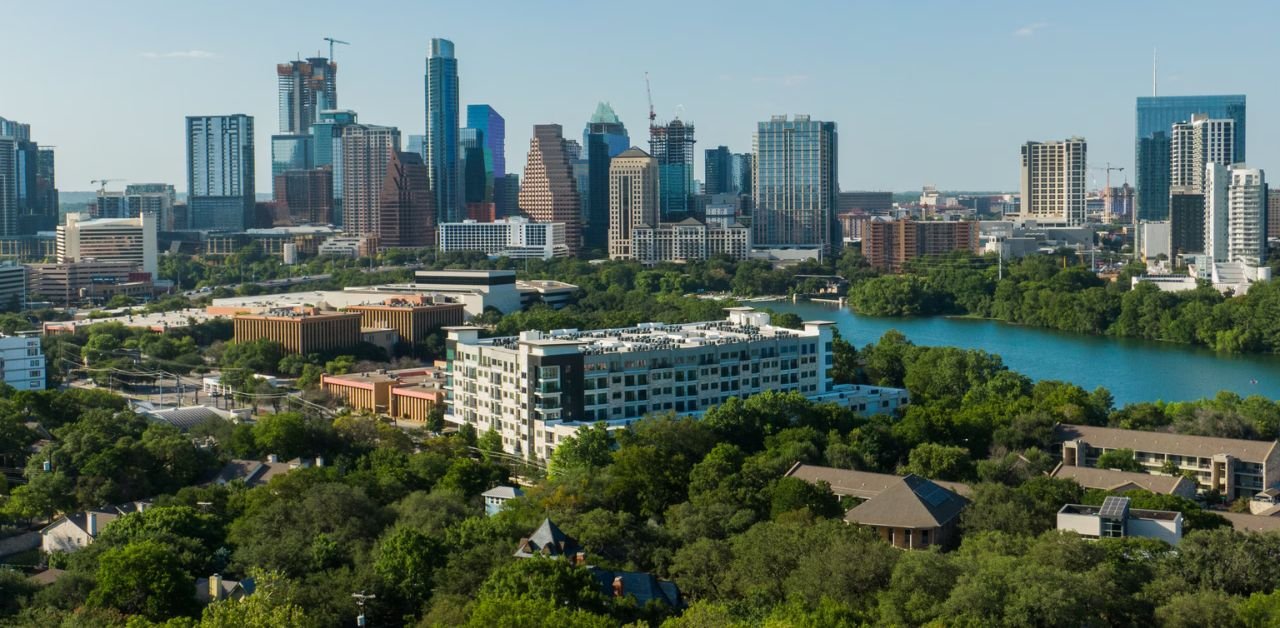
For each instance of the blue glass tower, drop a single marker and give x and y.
(1156, 116)
(483, 118)
(795, 186)
(220, 183)
(606, 123)
(326, 150)
(441, 146)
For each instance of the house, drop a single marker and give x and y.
(859, 484)
(912, 513)
(1265, 503)
(1233, 467)
(73, 531)
(254, 473)
(1115, 519)
(496, 497)
(549, 541)
(215, 588)
(1115, 481)
(47, 577)
(1246, 522)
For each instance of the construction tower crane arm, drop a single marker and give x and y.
(649, 93)
(102, 183)
(333, 41)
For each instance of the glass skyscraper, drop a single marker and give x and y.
(606, 123)
(290, 152)
(717, 168)
(1156, 116)
(441, 146)
(795, 184)
(483, 118)
(326, 151)
(220, 181)
(306, 88)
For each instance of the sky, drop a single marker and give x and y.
(923, 92)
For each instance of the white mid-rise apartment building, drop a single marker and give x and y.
(1235, 214)
(1053, 181)
(1198, 142)
(22, 361)
(689, 240)
(537, 389)
(109, 239)
(515, 237)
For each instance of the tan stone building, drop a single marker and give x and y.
(405, 395)
(413, 317)
(302, 330)
(633, 198)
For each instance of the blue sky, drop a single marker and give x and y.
(923, 92)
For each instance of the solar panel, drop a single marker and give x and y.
(931, 493)
(1114, 508)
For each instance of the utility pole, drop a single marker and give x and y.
(361, 598)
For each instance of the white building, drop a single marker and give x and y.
(1154, 239)
(1114, 519)
(689, 240)
(515, 237)
(1235, 214)
(1196, 143)
(22, 361)
(109, 239)
(1053, 181)
(74, 531)
(539, 388)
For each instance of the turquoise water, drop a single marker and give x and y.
(1133, 370)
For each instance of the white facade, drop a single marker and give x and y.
(1155, 239)
(109, 239)
(539, 388)
(1053, 181)
(1114, 519)
(22, 361)
(1196, 143)
(687, 241)
(1247, 227)
(514, 237)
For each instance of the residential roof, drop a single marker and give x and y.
(229, 588)
(254, 473)
(47, 577)
(644, 586)
(1164, 442)
(1254, 523)
(909, 502)
(104, 515)
(1119, 481)
(861, 484)
(503, 492)
(548, 540)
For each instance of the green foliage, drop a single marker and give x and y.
(939, 462)
(1120, 460)
(146, 578)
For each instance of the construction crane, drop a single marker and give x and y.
(103, 183)
(649, 92)
(333, 41)
(1109, 168)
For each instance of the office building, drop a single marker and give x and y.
(514, 237)
(46, 217)
(1235, 468)
(889, 244)
(1053, 181)
(1186, 220)
(109, 239)
(28, 193)
(305, 88)
(672, 145)
(718, 171)
(301, 330)
(70, 283)
(592, 175)
(414, 317)
(475, 184)
(866, 202)
(290, 152)
(408, 395)
(326, 147)
(537, 389)
(493, 129)
(796, 187)
(366, 153)
(408, 217)
(305, 197)
(1196, 143)
(1155, 117)
(688, 241)
(549, 192)
(441, 143)
(742, 175)
(633, 198)
(22, 361)
(606, 122)
(506, 195)
(1115, 519)
(220, 172)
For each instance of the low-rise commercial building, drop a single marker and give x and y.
(109, 239)
(514, 237)
(689, 240)
(1115, 519)
(301, 330)
(413, 317)
(889, 244)
(408, 395)
(1235, 468)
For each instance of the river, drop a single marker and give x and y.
(1133, 370)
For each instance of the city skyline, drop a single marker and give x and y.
(910, 115)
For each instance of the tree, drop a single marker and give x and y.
(588, 448)
(525, 612)
(270, 606)
(545, 579)
(283, 434)
(405, 560)
(1200, 609)
(790, 494)
(146, 578)
(1120, 460)
(940, 462)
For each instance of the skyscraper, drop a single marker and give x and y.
(366, 153)
(1186, 220)
(605, 122)
(1195, 143)
(1053, 181)
(305, 196)
(326, 147)
(718, 172)
(548, 192)
(593, 188)
(1156, 116)
(220, 171)
(407, 214)
(8, 184)
(306, 88)
(483, 118)
(796, 186)
(633, 198)
(672, 146)
(47, 191)
(1244, 191)
(290, 152)
(441, 145)
(28, 198)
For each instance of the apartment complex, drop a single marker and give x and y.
(405, 395)
(689, 240)
(301, 330)
(1235, 214)
(109, 239)
(1053, 181)
(633, 198)
(515, 237)
(1234, 468)
(1197, 143)
(220, 172)
(889, 244)
(22, 361)
(549, 192)
(794, 171)
(538, 388)
(413, 317)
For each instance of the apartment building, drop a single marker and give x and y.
(687, 241)
(1053, 181)
(889, 244)
(301, 330)
(1235, 468)
(22, 361)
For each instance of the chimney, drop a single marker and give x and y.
(319, 461)
(617, 586)
(580, 559)
(91, 522)
(215, 587)
(273, 458)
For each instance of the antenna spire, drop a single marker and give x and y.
(1154, 62)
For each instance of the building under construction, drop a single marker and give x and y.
(306, 88)
(672, 145)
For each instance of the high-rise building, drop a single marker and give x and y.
(593, 188)
(1235, 214)
(47, 191)
(796, 186)
(672, 146)
(306, 88)
(1053, 181)
(290, 152)
(1186, 220)
(28, 196)
(1156, 116)
(220, 171)
(8, 184)
(606, 123)
(689, 240)
(1273, 212)
(633, 198)
(408, 209)
(366, 152)
(326, 147)
(549, 192)
(476, 186)
(441, 145)
(109, 239)
(506, 192)
(868, 202)
(1194, 143)
(485, 119)
(718, 172)
(305, 196)
(1117, 202)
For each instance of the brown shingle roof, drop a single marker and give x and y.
(909, 502)
(1254, 523)
(1164, 442)
(861, 484)
(1109, 479)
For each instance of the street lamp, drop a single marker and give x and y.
(361, 598)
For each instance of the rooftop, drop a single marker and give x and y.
(909, 502)
(861, 484)
(1164, 442)
(1111, 480)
